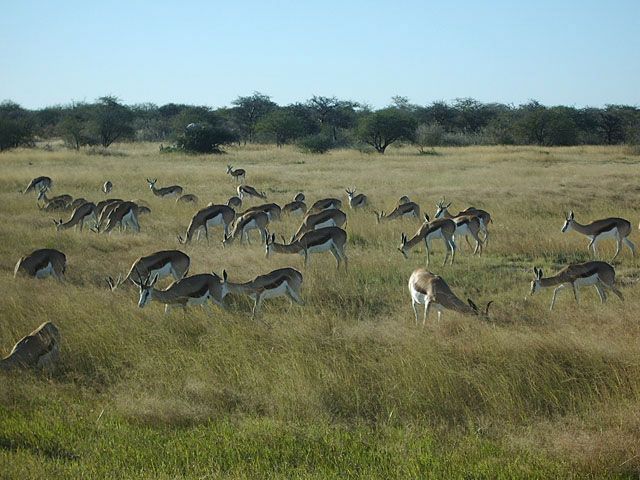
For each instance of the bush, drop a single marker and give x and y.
(16, 127)
(205, 138)
(318, 143)
(428, 135)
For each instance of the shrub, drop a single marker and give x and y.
(205, 138)
(319, 143)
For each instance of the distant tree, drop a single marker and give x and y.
(333, 114)
(384, 127)
(249, 110)
(73, 127)
(110, 121)
(283, 124)
(46, 120)
(547, 126)
(612, 125)
(428, 135)
(16, 126)
(439, 112)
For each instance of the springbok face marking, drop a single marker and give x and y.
(535, 283)
(568, 221)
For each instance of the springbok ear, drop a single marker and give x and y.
(224, 275)
(472, 305)
(539, 273)
(426, 217)
(571, 214)
(448, 205)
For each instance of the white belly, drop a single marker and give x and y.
(613, 233)
(45, 272)
(463, 230)
(199, 300)
(323, 247)
(586, 281)
(128, 218)
(328, 223)
(434, 235)
(161, 272)
(212, 222)
(275, 292)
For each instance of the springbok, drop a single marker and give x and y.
(40, 349)
(326, 204)
(246, 190)
(38, 184)
(79, 201)
(283, 281)
(104, 208)
(403, 199)
(244, 224)
(233, 202)
(466, 225)
(442, 228)
(107, 187)
(42, 264)
(356, 201)
(407, 209)
(325, 218)
(599, 274)
(297, 207)
(161, 264)
(485, 220)
(125, 214)
(207, 218)
(299, 197)
(272, 209)
(432, 291)
(238, 174)
(78, 216)
(59, 202)
(328, 239)
(618, 228)
(188, 291)
(188, 198)
(164, 192)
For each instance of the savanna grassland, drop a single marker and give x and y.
(348, 385)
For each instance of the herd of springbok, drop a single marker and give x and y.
(322, 229)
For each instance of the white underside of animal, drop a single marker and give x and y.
(45, 271)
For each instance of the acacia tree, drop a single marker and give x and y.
(248, 111)
(333, 114)
(16, 126)
(384, 127)
(283, 124)
(110, 121)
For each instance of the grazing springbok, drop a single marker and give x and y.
(38, 184)
(297, 207)
(233, 202)
(466, 225)
(40, 349)
(188, 291)
(328, 239)
(325, 204)
(403, 210)
(299, 197)
(104, 208)
(272, 209)
(356, 201)
(238, 174)
(442, 228)
(188, 198)
(246, 190)
(433, 292)
(78, 216)
(42, 264)
(283, 281)
(618, 228)
(244, 224)
(599, 274)
(207, 218)
(125, 214)
(164, 192)
(159, 264)
(59, 202)
(325, 218)
(107, 187)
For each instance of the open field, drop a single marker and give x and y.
(348, 385)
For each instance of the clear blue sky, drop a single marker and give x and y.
(558, 52)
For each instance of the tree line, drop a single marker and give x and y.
(318, 124)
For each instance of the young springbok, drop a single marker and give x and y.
(159, 264)
(618, 228)
(599, 274)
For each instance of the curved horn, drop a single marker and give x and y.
(486, 310)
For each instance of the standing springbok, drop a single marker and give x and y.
(407, 209)
(466, 225)
(283, 281)
(433, 292)
(325, 218)
(326, 204)
(161, 264)
(78, 216)
(328, 239)
(54, 203)
(356, 201)
(164, 192)
(125, 214)
(443, 228)
(618, 228)
(38, 183)
(244, 224)
(297, 207)
(42, 264)
(272, 209)
(246, 190)
(193, 290)
(238, 174)
(107, 187)
(485, 220)
(598, 274)
(207, 218)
